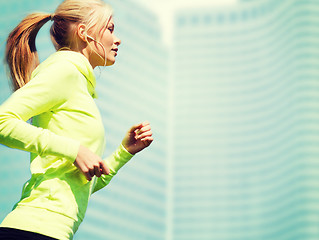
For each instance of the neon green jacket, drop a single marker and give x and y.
(59, 99)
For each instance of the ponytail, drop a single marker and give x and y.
(21, 53)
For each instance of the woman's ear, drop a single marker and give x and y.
(81, 32)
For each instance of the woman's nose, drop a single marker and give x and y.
(117, 41)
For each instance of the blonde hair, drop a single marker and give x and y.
(21, 53)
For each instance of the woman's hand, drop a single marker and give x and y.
(138, 138)
(90, 164)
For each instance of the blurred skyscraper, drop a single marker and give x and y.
(133, 206)
(14, 164)
(245, 121)
(133, 90)
(235, 116)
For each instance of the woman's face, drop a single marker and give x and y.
(106, 44)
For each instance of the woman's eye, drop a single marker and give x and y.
(111, 29)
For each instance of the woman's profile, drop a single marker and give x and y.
(66, 138)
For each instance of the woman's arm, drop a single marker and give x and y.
(48, 89)
(136, 139)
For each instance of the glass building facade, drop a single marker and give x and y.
(133, 205)
(245, 115)
(234, 107)
(14, 169)
(132, 91)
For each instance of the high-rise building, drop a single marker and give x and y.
(245, 120)
(14, 169)
(234, 114)
(133, 205)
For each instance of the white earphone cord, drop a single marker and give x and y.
(97, 52)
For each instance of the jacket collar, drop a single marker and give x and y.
(84, 66)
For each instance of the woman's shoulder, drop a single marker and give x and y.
(55, 72)
(56, 62)
(66, 62)
(65, 69)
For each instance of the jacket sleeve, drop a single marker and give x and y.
(48, 88)
(115, 162)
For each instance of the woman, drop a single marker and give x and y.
(66, 138)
